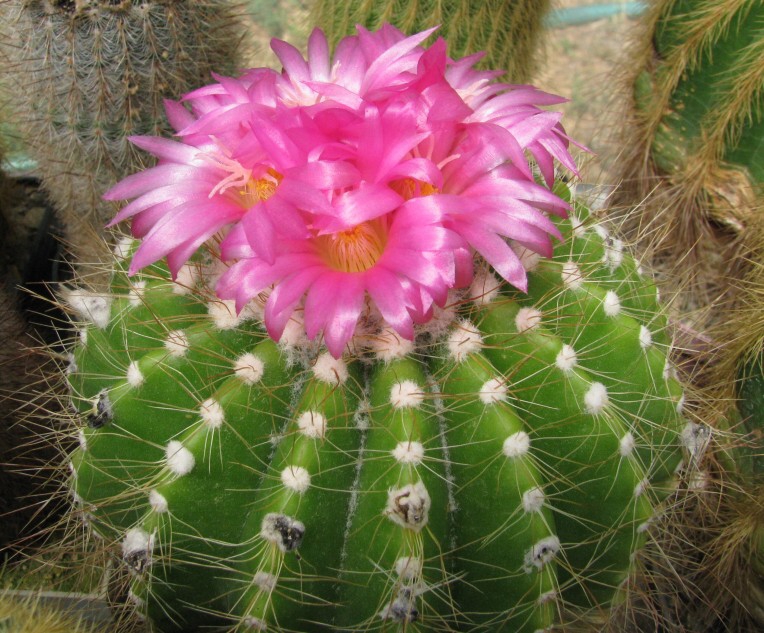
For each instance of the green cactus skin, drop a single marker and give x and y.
(693, 148)
(509, 31)
(498, 472)
(87, 74)
(708, 85)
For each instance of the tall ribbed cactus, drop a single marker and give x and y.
(87, 74)
(507, 30)
(694, 148)
(501, 469)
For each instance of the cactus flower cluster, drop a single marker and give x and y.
(376, 174)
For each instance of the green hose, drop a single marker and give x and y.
(575, 16)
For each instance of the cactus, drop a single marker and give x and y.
(481, 478)
(325, 410)
(509, 32)
(693, 146)
(87, 74)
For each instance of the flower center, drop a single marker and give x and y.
(259, 189)
(408, 188)
(251, 190)
(354, 250)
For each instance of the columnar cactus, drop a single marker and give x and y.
(693, 145)
(87, 74)
(362, 426)
(509, 32)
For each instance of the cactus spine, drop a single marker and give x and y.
(501, 470)
(88, 74)
(694, 145)
(509, 32)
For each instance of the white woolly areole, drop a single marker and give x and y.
(408, 568)
(442, 318)
(294, 333)
(484, 288)
(493, 391)
(254, 624)
(330, 370)
(566, 358)
(601, 231)
(596, 398)
(178, 458)
(533, 500)
(463, 340)
(547, 596)
(516, 445)
(577, 225)
(296, 478)
(406, 395)
(282, 530)
(696, 438)
(137, 291)
(71, 364)
(626, 444)
(265, 581)
(613, 256)
(136, 540)
(541, 553)
(680, 403)
(90, 306)
(409, 453)
(312, 424)
(176, 343)
(223, 313)
(212, 413)
(611, 304)
(134, 376)
(571, 276)
(528, 258)
(122, 248)
(640, 488)
(645, 525)
(158, 502)
(249, 368)
(83, 440)
(389, 345)
(409, 506)
(698, 480)
(84, 336)
(645, 338)
(187, 278)
(527, 319)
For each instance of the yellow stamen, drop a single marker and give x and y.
(408, 188)
(354, 250)
(260, 189)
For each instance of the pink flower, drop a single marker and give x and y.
(358, 187)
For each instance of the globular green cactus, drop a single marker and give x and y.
(509, 32)
(86, 74)
(693, 146)
(498, 472)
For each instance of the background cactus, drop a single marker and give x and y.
(498, 472)
(85, 75)
(509, 32)
(693, 146)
